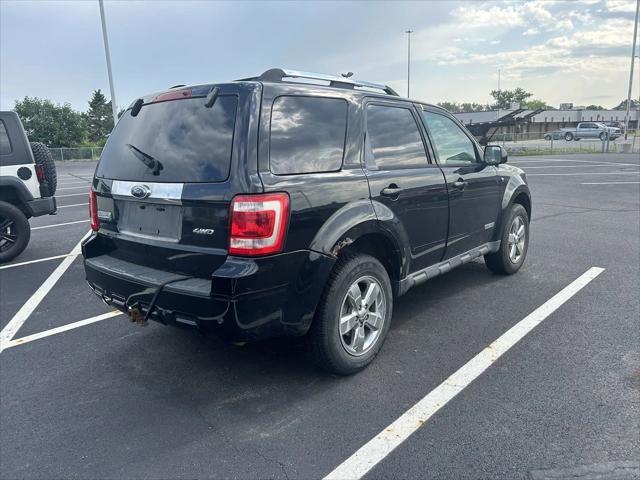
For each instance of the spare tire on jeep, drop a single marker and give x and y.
(43, 158)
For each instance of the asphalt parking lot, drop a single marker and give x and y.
(107, 399)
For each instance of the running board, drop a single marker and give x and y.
(428, 273)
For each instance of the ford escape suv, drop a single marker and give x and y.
(294, 204)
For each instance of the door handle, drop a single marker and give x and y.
(460, 184)
(392, 191)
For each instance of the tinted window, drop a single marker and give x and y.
(307, 134)
(393, 138)
(174, 141)
(451, 143)
(5, 144)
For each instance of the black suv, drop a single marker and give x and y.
(274, 206)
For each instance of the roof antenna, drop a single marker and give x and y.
(347, 75)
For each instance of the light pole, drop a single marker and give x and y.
(114, 107)
(633, 57)
(408, 32)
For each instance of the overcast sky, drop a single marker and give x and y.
(562, 51)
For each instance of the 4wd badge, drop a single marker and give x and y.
(203, 231)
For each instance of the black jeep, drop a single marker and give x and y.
(278, 206)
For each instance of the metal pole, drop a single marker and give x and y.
(633, 57)
(408, 32)
(114, 107)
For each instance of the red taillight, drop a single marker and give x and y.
(258, 224)
(40, 173)
(93, 211)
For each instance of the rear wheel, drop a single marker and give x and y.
(42, 156)
(14, 232)
(568, 136)
(603, 136)
(353, 316)
(513, 245)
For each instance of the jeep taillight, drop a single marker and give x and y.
(93, 211)
(40, 173)
(258, 224)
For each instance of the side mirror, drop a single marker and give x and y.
(495, 155)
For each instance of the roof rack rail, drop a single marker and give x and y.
(278, 74)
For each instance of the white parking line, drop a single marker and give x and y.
(59, 224)
(392, 436)
(30, 305)
(545, 160)
(74, 205)
(85, 187)
(71, 195)
(609, 183)
(63, 328)
(526, 167)
(46, 259)
(621, 172)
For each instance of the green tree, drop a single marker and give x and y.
(54, 125)
(99, 118)
(594, 107)
(535, 104)
(623, 105)
(473, 107)
(453, 107)
(504, 98)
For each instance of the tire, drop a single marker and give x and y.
(503, 261)
(349, 352)
(603, 137)
(14, 232)
(547, 137)
(43, 157)
(568, 136)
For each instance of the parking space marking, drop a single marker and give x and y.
(526, 167)
(621, 172)
(74, 205)
(71, 195)
(11, 328)
(38, 260)
(545, 160)
(63, 328)
(59, 224)
(609, 183)
(74, 188)
(391, 437)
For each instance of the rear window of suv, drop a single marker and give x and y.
(307, 134)
(172, 141)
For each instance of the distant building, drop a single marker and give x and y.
(548, 120)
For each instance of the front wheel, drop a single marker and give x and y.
(514, 243)
(603, 136)
(353, 316)
(14, 232)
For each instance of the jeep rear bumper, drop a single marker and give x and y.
(245, 299)
(42, 206)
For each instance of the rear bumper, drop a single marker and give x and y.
(42, 206)
(245, 299)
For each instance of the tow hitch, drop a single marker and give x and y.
(136, 315)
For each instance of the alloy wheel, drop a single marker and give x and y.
(8, 235)
(362, 315)
(516, 240)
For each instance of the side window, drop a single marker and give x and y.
(307, 134)
(5, 144)
(393, 139)
(451, 143)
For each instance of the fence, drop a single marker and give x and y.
(553, 142)
(76, 153)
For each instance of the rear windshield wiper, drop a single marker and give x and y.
(147, 159)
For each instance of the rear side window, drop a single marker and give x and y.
(393, 139)
(307, 134)
(173, 141)
(5, 144)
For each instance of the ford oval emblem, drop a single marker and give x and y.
(140, 191)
